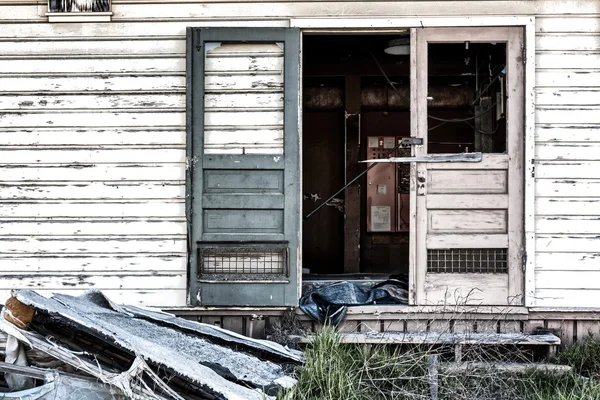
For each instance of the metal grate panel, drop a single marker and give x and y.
(467, 261)
(245, 261)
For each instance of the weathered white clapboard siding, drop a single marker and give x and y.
(92, 137)
(568, 161)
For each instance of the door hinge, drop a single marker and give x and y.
(523, 53)
(524, 260)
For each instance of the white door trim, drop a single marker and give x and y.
(381, 25)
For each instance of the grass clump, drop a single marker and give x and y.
(583, 356)
(334, 371)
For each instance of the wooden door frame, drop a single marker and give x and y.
(392, 24)
(514, 39)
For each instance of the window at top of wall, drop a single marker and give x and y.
(79, 10)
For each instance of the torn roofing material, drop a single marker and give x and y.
(190, 353)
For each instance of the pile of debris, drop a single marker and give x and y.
(86, 347)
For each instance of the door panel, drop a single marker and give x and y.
(469, 236)
(244, 181)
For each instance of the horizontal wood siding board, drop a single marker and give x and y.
(563, 206)
(157, 297)
(570, 132)
(92, 172)
(567, 297)
(568, 243)
(568, 224)
(82, 245)
(570, 279)
(96, 102)
(95, 83)
(568, 169)
(162, 154)
(103, 263)
(95, 208)
(105, 118)
(568, 188)
(547, 261)
(99, 191)
(90, 226)
(92, 137)
(568, 151)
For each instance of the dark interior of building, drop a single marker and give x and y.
(355, 97)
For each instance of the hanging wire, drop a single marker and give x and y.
(431, 116)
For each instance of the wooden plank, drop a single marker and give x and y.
(586, 41)
(467, 221)
(568, 169)
(121, 263)
(132, 29)
(95, 83)
(92, 102)
(246, 201)
(53, 226)
(568, 224)
(567, 24)
(532, 325)
(548, 261)
(91, 190)
(93, 172)
(567, 60)
(373, 325)
(508, 326)
(567, 151)
(567, 279)
(567, 188)
(69, 137)
(53, 65)
(137, 297)
(571, 132)
(565, 330)
(469, 181)
(89, 280)
(244, 82)
(566, 78)
(95, 47)
(564, 114)
(106, 118)
(466, 288)
(561, 206)
(250, 10)
(467, 201)
(111, 156)
(568, 243)
(567, 298)
(582, 96)
(234, 324)
(243, 117)
(244, 100)
(91, 208)
(87, 244)
(587, 329)
(394, 326)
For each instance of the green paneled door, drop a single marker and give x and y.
(243, 166)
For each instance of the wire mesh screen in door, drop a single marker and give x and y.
(467, 261)
(244, 261)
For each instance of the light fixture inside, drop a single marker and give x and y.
(398, 47)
